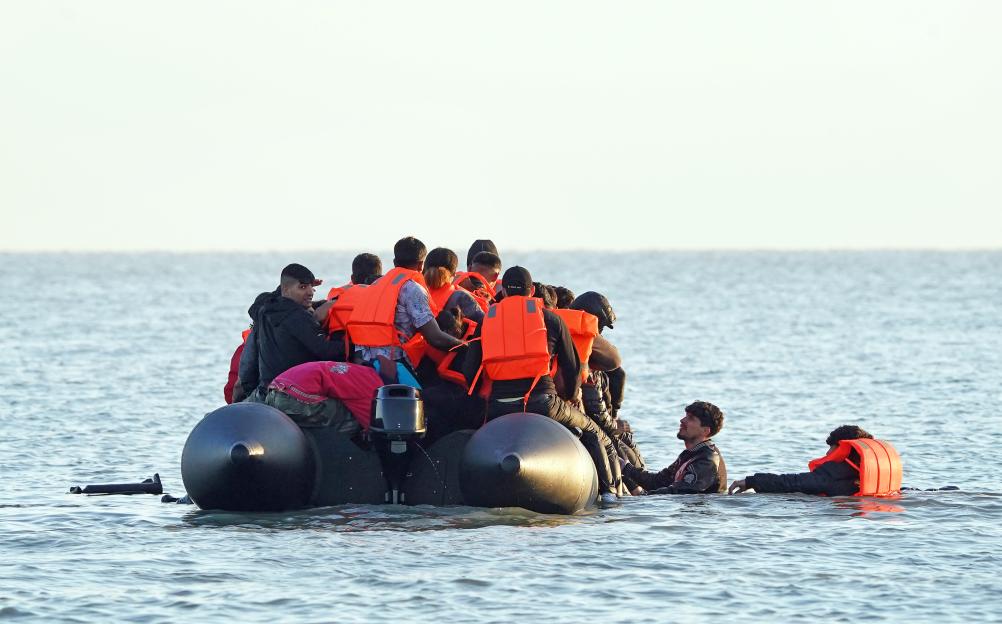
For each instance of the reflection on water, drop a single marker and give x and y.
(862, 506)
(346, 518)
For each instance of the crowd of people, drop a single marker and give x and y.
(479, 344)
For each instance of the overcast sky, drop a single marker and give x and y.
(329, 125)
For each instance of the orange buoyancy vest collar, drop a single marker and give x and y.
(485, 296)
(440, 296)
(244, 334)
(371, 323)
(513, 335)
(462, 276)
(584, 329)
(879, 465)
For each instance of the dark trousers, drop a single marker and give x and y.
(448, 408)
(599, 446)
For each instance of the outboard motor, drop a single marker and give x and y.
(397, 420)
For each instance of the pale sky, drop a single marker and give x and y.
(330, 125)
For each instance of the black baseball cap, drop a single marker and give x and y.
(517, 281)
(301, 273)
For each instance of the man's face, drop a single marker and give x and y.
(490, 274)
(300, 293)
(691, 430)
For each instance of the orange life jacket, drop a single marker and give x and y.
(339, 313)
(879, 465)
(485, 296)
(371, 322)
(244, 334)
(584, 329)
(444, 359)
(441, 295)
(513, 335)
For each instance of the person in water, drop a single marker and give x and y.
(699, 469)
(519, 370)
(286, 330)
(834, 478)
(394, 310)
(326, 394)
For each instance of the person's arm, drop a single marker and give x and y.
(320, 312)
(568, 363)
(438, 338)
(699, 475)
(248, 373)
(474, 356)
(604, 355)
(307, 330)
(617, 387)
(650, 480)
(835, 481)
(469, 306)
(414, 300)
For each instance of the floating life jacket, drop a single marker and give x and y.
(484, 296)
(879, 465)
(371, 322)
(513, 335)
(445, 359)
(584, 329)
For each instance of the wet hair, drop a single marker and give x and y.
(846, 432)
(564, 296)
(547, 294)
(479, 246)
(408, 252)
(487, 259)
(439, 267)
(366, 268)
(450, 321)
(709, 415)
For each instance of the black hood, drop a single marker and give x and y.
(275, 309)
(258, 302)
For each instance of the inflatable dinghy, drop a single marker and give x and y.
(252, 457)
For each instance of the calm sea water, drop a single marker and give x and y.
(108, 361)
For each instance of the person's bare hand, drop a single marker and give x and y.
(737, 487)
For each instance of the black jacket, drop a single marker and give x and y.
(559, 344)
(830, 479)
(288, 335)
(699, 470)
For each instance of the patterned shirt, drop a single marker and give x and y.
(413, 311)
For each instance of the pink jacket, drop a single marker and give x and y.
(352, 384)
